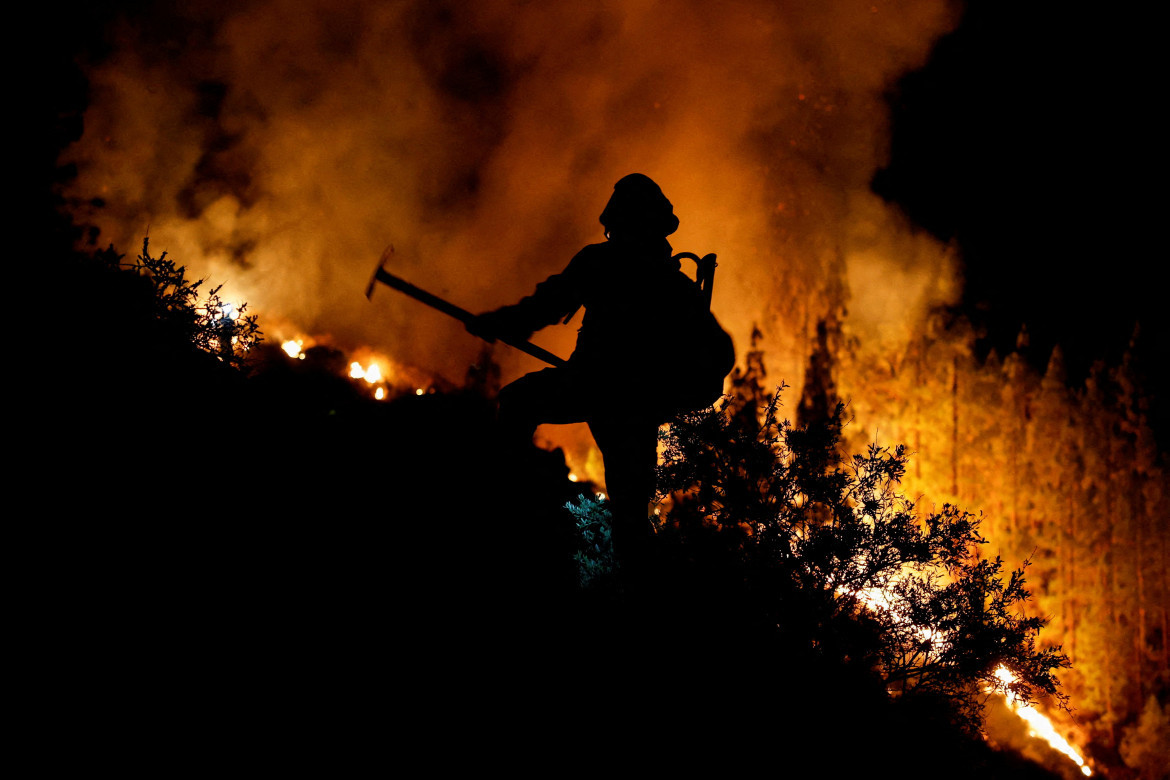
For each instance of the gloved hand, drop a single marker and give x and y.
(497, 324)
(483, 326)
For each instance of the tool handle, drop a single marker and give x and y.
(459, 313)
(434, 301)
(536, 352)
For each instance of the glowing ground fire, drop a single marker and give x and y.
(1040, 726)
(294, 348)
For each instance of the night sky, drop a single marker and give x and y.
(1030, 140)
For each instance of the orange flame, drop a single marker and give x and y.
(294, 348)
(1040, 726)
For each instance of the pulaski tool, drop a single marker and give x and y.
(450, 309)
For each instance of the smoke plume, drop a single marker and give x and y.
(278, 146)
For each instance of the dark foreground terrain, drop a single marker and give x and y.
(272, 571)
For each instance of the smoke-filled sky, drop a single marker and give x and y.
(278, 146)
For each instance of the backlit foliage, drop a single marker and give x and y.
(842, 563)
(211, 324)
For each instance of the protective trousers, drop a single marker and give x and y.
(626, 436)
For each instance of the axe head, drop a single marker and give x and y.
(381, 265)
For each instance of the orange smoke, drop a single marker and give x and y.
(283, 144)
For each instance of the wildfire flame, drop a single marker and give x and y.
(1039, 725)
(379, 372)
(294, 348)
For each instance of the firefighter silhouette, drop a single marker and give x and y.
(648, 348)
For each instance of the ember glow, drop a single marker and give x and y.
(373, 375)
(370, 373)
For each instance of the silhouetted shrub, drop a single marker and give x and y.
(213, 325)
(832, 558)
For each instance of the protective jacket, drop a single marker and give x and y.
(646, 328)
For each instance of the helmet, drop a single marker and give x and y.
(638, 206)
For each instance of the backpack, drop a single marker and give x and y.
(707, 354)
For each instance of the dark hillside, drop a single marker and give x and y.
(268, 561)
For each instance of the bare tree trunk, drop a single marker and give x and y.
(1107, 660)
(1111, 589)
(1164, 599)
(955, 427)
(1069, 556)
(1139, 642)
